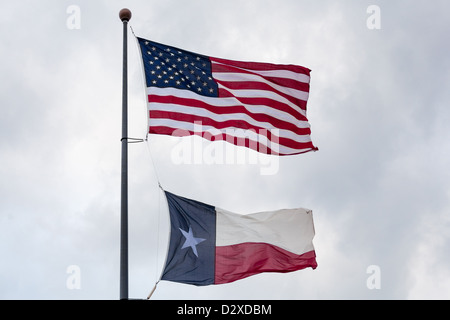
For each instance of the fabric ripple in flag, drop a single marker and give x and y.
(209, 245)
(261, 106)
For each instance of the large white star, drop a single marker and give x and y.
(191, 241)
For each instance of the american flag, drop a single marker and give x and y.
(261, 106)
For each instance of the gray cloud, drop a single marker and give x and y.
(378, 185)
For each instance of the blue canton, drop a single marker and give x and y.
(167, 66)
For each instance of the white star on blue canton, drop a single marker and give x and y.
(191, 241)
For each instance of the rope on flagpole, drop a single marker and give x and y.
(144, 99)
(153, 290)
(159, 218)
(134, 140)
(153, 163)
(154, 170)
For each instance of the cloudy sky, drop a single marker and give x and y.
(379, 186)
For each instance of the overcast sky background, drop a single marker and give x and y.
(379, 186)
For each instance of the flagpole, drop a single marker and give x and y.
(125, 16)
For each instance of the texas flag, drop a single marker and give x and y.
(209, 245)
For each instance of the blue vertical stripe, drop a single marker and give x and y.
(183, 264)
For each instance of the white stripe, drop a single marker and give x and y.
(235, 132)
(274, 73)
(300, 77)
(245, 77)
(289, 229)
(282, 133)
(230, 102)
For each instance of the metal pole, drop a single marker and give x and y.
(125, 16)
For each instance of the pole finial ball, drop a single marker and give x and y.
(125, 14)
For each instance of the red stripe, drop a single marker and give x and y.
(223, 93)
(260, 117)
(204, 121)
(260, 86)
(232, 109)
(224, 137)
(257, 85)
(220, 137)
(246, 259)
(285, 82)
(262, 66)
